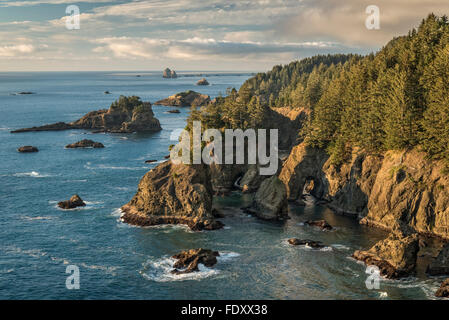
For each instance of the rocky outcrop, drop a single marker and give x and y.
(126, 115)
(185, 99)
(381, 190)
(173, 194)
(270, 200)
(188, 261)
(224, 176)
(27, 149)
(443, 291)
(440, 265)
(169, 74)
(322, 224)
(309, 243)
(395, 256)
(202, 82)
(74, 202)
(86, 143)
(174, 111)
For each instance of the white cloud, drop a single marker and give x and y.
(4, 3)
(16, 50)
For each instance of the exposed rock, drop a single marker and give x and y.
(185, 99)
(443, 291)
(309, 243)
(150, 161)
(126, 115)
(202, 82)
(251, 180)
(169, 74)
(440, 265)
(223, 177)
(174, 111)
(27, 149)
(173, 194)
(189, 260)
(86, 143)
(24, 93)
(270, 200)
(395, 256)
(322, 224)
(107, 92)
(74, 202)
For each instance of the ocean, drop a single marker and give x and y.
(117, 261)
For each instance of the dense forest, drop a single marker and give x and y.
(397, 98)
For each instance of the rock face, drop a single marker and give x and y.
(169, 74)
(440, 265)
(185, 99)
(270, 200)
(322, 224)
(202, 82)
(126, 115)
(74, 202)
(381, 190)
(86, 143)
(395, 256)
(189, 260)
(309, 243)
(173, 194)
(443, 291)
(27, 149)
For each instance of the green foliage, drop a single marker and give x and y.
(128, 104)
(397, 98)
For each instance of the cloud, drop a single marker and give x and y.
(8, 3)
(345, 21)
(16, 50)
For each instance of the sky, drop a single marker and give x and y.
(206, 35)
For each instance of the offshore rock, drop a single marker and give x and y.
(189, 260)
(27, 149)
(86, 143)
(74, 202)
(270, 200)
(185, 99)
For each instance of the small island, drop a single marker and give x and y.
(86, 143)
(185, 99)
(169, 74)
(125, 115)
(202, 82)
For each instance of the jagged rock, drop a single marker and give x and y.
(173, 194)
(440, 265)
(270, 200)
(443, 291)
(189, 260)
(185, 99)
(223, 177)
(86, 143)
(126, 115)
(169, 74)
(202, 82)
(27, 149)
(309, 243)
(150, 161)
(322, 224)
(395, 256)
(74, 202)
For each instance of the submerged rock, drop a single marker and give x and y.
(395, 256)
(309, 243)
(443, 291)
(322, 224)
(126, 115)
(189, 260)
(86, 143)
(270, 200)
(440, 265)
(174, 111)
(74, 202)
(202, 82)
(173, 194)
(27, 149)
(185, 99)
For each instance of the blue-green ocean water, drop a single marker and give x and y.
(38, 241)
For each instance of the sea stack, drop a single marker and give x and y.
(169, 74)
(27, 149)
(202, 82)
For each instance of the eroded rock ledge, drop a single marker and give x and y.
(126, 115)
(173, 194)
